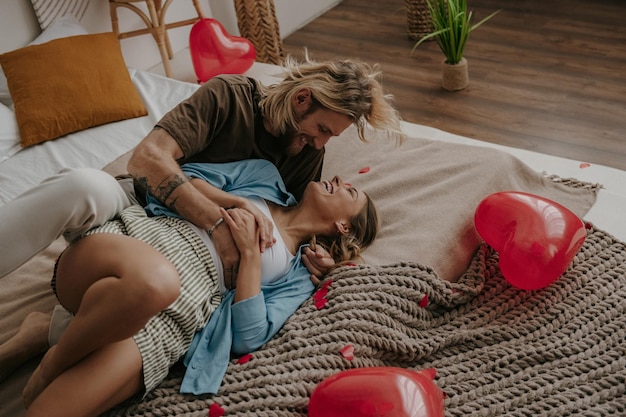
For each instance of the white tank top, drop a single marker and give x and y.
(275, 261)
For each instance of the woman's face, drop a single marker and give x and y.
(335, 201)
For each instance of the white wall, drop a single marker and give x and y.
(18, 24)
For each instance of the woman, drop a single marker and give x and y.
(142, 303)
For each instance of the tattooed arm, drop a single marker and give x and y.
(154, 165)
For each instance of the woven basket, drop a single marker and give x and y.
(418, 19)
(257, 22)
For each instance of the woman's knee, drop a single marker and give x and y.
(160, 285)
(132, 270)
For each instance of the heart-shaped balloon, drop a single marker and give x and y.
(214, 51)
(377, 391)
(536, 238)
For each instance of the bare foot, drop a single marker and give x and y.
(30, 340)
(38, 380)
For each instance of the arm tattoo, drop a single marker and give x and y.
(163, 191)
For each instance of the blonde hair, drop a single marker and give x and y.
(346, 86)
(364, 228)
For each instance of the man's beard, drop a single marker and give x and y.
(293, 143)
(293, 138)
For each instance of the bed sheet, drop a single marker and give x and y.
(605, 213)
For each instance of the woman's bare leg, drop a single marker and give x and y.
(30, 340)
(100, 381)
(114, 284)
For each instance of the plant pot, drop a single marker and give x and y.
(454, 76)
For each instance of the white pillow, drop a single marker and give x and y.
(5, 97)
(61, 28)
(9, 134)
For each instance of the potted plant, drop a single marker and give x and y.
(452, 24)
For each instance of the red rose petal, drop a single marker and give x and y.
(424, 302)
(244, 359)
(584, 165)
(319, 297)
(364, 170)
(321, 293)
(430, 372)
(347, 352)
(319, 304)
(216, 410)
(327, 284)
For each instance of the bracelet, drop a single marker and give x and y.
(217, 223)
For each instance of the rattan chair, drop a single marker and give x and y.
(256, 20)
(155, 24)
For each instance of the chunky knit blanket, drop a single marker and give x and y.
(498, 351)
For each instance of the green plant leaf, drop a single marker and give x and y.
(452, 24)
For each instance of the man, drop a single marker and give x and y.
(229, 118)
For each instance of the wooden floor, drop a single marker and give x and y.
(545, 75)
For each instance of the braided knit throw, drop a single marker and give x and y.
(498, 351)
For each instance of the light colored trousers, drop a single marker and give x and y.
(68, 204)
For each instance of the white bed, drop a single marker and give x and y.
(94, 147)
(283, 373)
(98, 146)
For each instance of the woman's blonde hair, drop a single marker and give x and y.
(364, 227)
(346, 86)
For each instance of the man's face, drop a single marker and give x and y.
(316, 128)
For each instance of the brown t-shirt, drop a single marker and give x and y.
(221, 122)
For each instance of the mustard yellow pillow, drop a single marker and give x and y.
(69, 84)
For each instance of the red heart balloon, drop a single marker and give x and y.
(214, 51)
(377, 391)
(536, 238)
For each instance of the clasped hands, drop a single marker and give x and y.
(317, 260)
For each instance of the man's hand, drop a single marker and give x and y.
(318, 262)
(228, 253)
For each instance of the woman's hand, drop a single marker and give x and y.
(227, 247)
(318, 261)
(245, 232)
(266, 227)
(243, 228)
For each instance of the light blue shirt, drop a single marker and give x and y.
(244, 326)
